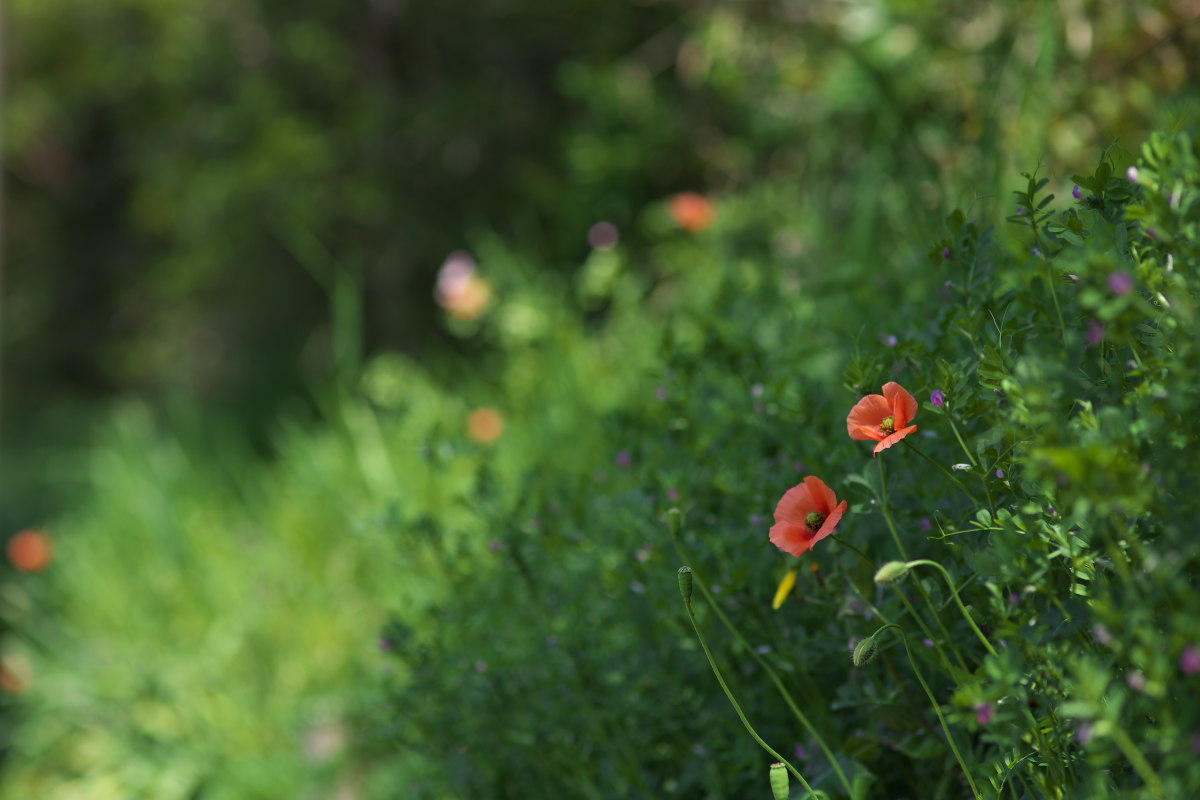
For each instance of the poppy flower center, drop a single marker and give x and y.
(888, 425)
(814, 520)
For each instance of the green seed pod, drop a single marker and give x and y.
(779, 781)
(685, 586)
(891, 572)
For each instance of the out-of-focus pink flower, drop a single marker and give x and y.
(604, 236)
(1120, 282)
(459, 289)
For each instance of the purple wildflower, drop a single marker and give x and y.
(1132, 174)
(1083, 734)
(947, 253)
(604, 236)
(624, 459)
(1189, 660)
(1076, 193)
(984, 713)
(926, 525)
(938, 398)
(1000, 473)
(1095, 332)
(927, 642)
(1120, 282)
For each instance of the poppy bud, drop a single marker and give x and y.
(864, 652)
(779, 781)
(891, 572)
(685, 586)
(675, 521)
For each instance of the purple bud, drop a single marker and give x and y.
(1095, 332)
(1120, 282)
(927, 642)
(938, 398)
(624, 459)
(891, 340)
(1083, 734)
(926, 525)
(801, 753)
(984, 713)
(1076, 193)
(1132, 174)
(1021, 211)
(1000, 473)
(756, 391)
(1189, 660)
(947, 254)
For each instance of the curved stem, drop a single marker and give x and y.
(773, 675)
(887, 517)
(937, 709)
(954, 593)
(944, 471)
(750, 728)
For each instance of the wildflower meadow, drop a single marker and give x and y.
(637, 400)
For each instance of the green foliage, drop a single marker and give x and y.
(210, 625)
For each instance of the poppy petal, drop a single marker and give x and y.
(830, 524)
(823, 497)
(863, 421)
(902, 404)
(895, 437)
(793, 539)
(795, 506)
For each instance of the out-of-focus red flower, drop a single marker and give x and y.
(807, 514)
(883, 417)
(692, 211)
(30, 551)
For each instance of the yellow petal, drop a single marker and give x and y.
(785, 588)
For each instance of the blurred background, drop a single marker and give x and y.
(230, 227)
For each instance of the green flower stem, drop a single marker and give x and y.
(887, 517)
(937, 709)
(1053, 292)
(1138, 761)
(1034, 727)
(971, 457)
(943, 470)
(771, 673)
(953, 591)
(750, 728)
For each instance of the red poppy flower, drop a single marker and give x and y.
(883, 417)
(692, 212)
(807, 514)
